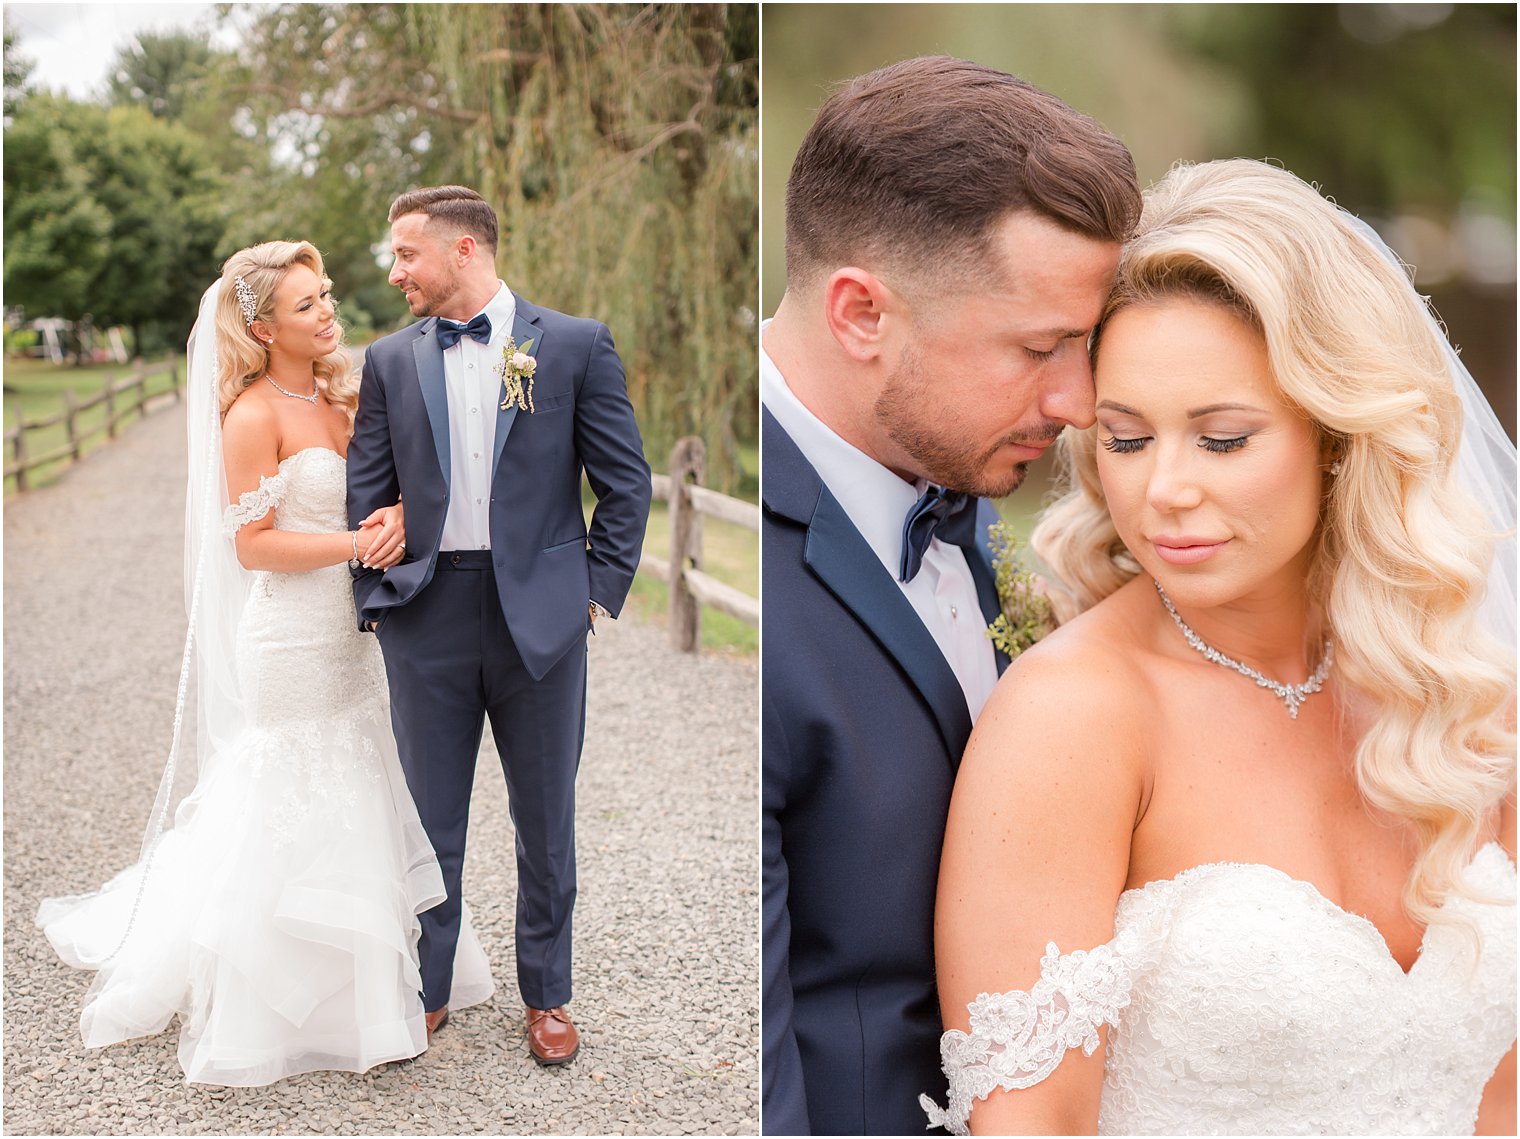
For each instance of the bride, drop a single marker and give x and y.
(1232, 850)
(277, 917)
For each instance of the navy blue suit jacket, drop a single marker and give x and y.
(863, 726)
(548, 565)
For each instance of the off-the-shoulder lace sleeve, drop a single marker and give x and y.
(1018, 1038)
(254, 504)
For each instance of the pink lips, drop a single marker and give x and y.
(1186, 551)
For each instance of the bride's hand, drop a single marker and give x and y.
(382, 537)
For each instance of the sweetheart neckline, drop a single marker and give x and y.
(1316, 892)
(303, 450)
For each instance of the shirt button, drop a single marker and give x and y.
(954, 613)
(474, 411)
(470, 366)
(477, 454)
(478, 501)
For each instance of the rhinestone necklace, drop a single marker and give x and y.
(311, 399)
(1292, 695)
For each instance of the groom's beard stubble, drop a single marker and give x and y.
(914, 419)
(425, 302)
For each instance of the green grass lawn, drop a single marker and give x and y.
(36, 389)
(729, 553)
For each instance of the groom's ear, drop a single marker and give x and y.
(861, 311)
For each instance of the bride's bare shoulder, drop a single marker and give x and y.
(1102, 653)
(1087, 688)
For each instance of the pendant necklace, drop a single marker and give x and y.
(1292, 695)
(311, 399)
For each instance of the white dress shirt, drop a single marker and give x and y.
(474, 391)
(943, 593)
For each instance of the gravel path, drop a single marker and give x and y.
(666, 931)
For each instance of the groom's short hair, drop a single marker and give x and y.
(458, 207)
(913, 164)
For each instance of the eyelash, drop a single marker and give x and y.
(1036, 355)
(1118, 446)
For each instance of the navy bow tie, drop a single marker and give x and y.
(949, 515)
(450, 331)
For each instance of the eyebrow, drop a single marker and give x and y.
(1193, 413)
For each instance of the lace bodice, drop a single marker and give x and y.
(308, 493)
(305, 668)
(1245, 1002)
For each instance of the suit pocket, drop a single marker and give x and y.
(565, 545)
(552, 403)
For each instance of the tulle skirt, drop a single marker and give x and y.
(278, 916)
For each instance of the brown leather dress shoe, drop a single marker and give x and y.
(435, 1020)
(551, 1036)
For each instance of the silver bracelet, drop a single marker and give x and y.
(353, 562)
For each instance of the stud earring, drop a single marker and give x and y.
(1335, 467)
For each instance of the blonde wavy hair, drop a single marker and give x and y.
(241, 358)
(1401, 556)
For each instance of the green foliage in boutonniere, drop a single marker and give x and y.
(1026, 615)
(516, 371)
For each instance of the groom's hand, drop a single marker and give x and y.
(383, 536)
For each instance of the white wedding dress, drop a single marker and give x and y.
(1242, 1001)
(278, 919)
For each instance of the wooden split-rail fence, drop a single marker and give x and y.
(122, 399)
(690, 587)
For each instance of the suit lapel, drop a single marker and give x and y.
(523, 330)
(983, 573)
(844, 562)
(429, 360)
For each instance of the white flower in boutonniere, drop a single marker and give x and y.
(516, 371)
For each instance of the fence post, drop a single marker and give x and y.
(140, 389)
(110, 406)
(70, 411)
(20, 446)
(688, 460)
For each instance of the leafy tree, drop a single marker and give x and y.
(618, 143)
(161, 72)
(18, 69)
(111, 212)
(57, 233)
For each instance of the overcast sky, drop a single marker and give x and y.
(72, 45)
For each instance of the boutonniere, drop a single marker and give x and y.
(1026, 613)
(516, 371)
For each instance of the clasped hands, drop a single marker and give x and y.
(381, 542)
(381, 538)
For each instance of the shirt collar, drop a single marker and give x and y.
(875, 499)
(502, 309)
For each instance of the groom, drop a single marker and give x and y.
(481, 418)
(951, 233)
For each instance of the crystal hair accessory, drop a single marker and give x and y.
(248, 300)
